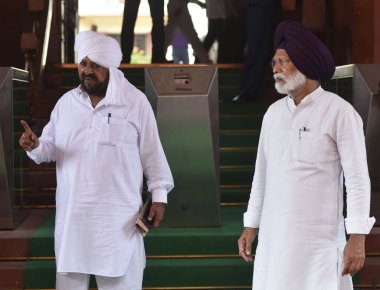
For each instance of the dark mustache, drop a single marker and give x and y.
(92, 76)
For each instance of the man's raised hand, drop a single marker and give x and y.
(28, 140)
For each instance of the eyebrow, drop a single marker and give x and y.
(93, 64)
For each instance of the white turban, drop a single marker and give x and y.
(106, 52)
(101, 49)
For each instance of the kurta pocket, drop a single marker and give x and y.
(306, 147)
(117, 131)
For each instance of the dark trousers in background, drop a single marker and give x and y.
(179, 17)
(260, 21)
(131, 8)
(216, 28)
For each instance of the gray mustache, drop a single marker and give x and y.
(279, 76)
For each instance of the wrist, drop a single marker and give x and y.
(357, 237)
(248, 229)
(36, 144)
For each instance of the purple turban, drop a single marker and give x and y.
(306, 50)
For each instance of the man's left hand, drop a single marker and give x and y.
(157, 212)
(354, 254)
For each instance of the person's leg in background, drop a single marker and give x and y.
(176, 55)
(185, 23)
(182, 55)
(171, 26)
(260, 25)
(233, 41)
(215, 27)
(170, 30)
(131, 8)
(158, 34)
(77, 281)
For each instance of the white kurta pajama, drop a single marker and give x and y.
(297, 193)
(101, 155)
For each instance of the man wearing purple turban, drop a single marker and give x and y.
(309, 140)
(103, 137)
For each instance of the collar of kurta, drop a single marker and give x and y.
(309, 99)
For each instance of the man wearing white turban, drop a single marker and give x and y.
(104, 138)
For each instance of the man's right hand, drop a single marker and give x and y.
(245, 243)
(28, 140)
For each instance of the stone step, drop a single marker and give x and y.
(193, 273)
(184, 273)
(15, 243)
(36, 179)
(240, 122)
(239, 138)
(369, 276)
(372, 242)
(12, 275)
(238, 156)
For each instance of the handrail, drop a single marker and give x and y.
(45, 43)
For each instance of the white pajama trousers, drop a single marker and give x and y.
(132, 280)
(80, 281)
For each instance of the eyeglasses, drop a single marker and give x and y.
(281, 61)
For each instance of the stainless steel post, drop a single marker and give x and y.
(185, 101)
(10, 78)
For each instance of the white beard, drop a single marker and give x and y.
(292, 82)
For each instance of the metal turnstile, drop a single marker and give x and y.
(360, 85)
(13, 87)
(185, 102)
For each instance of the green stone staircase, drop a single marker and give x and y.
(177, 258)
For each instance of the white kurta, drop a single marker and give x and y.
(101, 155)
(297, 193)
